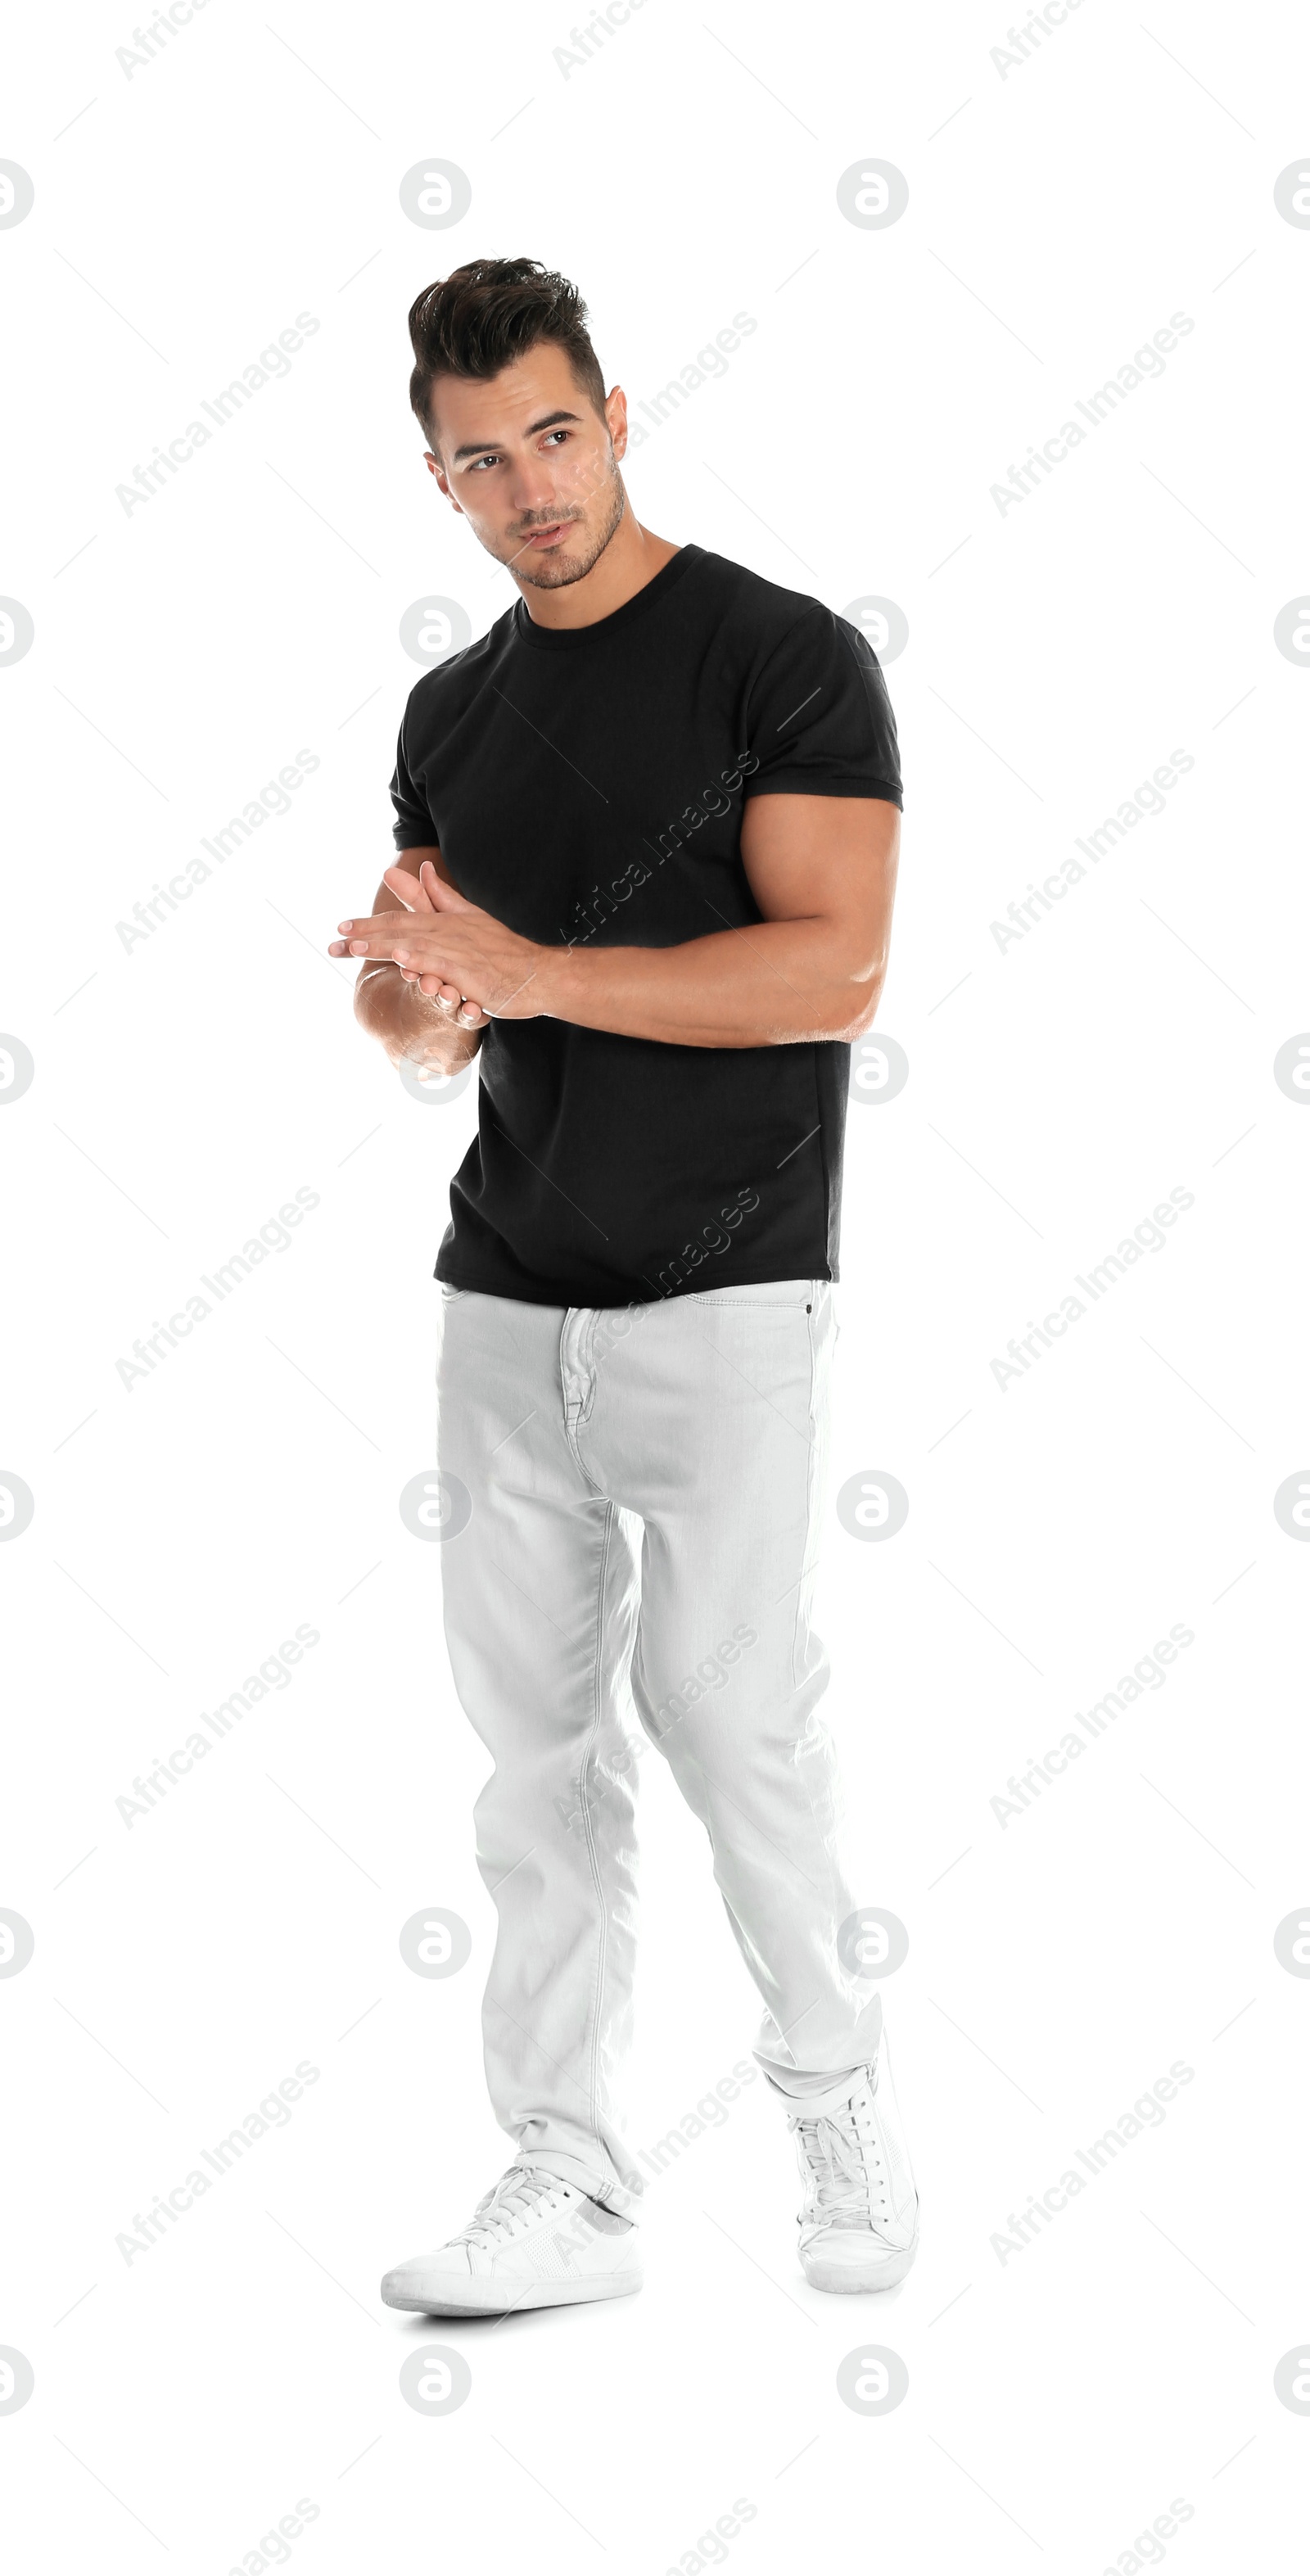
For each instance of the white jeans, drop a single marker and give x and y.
(706, 1417)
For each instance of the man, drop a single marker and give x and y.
(647, 833)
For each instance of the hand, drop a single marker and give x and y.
(451, 948)
(414, 895)
(410, 941)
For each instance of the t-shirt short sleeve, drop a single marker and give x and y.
(414, 828)
(819, 719)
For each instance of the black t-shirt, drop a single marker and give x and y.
(586, 783)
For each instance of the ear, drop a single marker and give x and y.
(438, 472)
(616, 421)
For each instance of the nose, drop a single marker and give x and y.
(534, 497)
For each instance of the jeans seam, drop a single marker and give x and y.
(571, 1421)
(756, 1305)
(731, 1297)
(602, 1916)
(810, 1500)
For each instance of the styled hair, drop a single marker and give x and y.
(488, 313)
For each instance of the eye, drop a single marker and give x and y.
(553, 434)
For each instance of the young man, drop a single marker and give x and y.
(647, 833)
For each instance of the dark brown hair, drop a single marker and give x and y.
(488, 313)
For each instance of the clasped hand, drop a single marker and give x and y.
(457, 955)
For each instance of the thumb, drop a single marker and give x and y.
(442, 897)
(409, 887)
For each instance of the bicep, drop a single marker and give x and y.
(826, 858)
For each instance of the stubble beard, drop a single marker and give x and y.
(548, 572)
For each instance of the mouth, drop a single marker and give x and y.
(547, 536)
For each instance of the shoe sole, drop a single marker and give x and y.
(848, 2277)
(537, 2294)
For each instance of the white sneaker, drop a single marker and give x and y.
(532, 2242)
(860, 2222)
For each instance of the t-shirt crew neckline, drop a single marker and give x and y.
(570, 639)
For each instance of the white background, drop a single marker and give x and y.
(1059, 212)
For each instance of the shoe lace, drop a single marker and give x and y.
(833, 2145)
(520, 2193)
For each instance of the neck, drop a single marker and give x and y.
(632, 558)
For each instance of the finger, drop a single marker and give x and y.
(454, 1004)
(406, 946)
(407, 942)
(396, 925)
(419, 960)
(444, 897)
(410, 888)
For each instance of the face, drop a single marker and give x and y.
(531, 466)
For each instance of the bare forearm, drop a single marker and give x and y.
(410, 1027)
(774, 983)
(812, 967)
